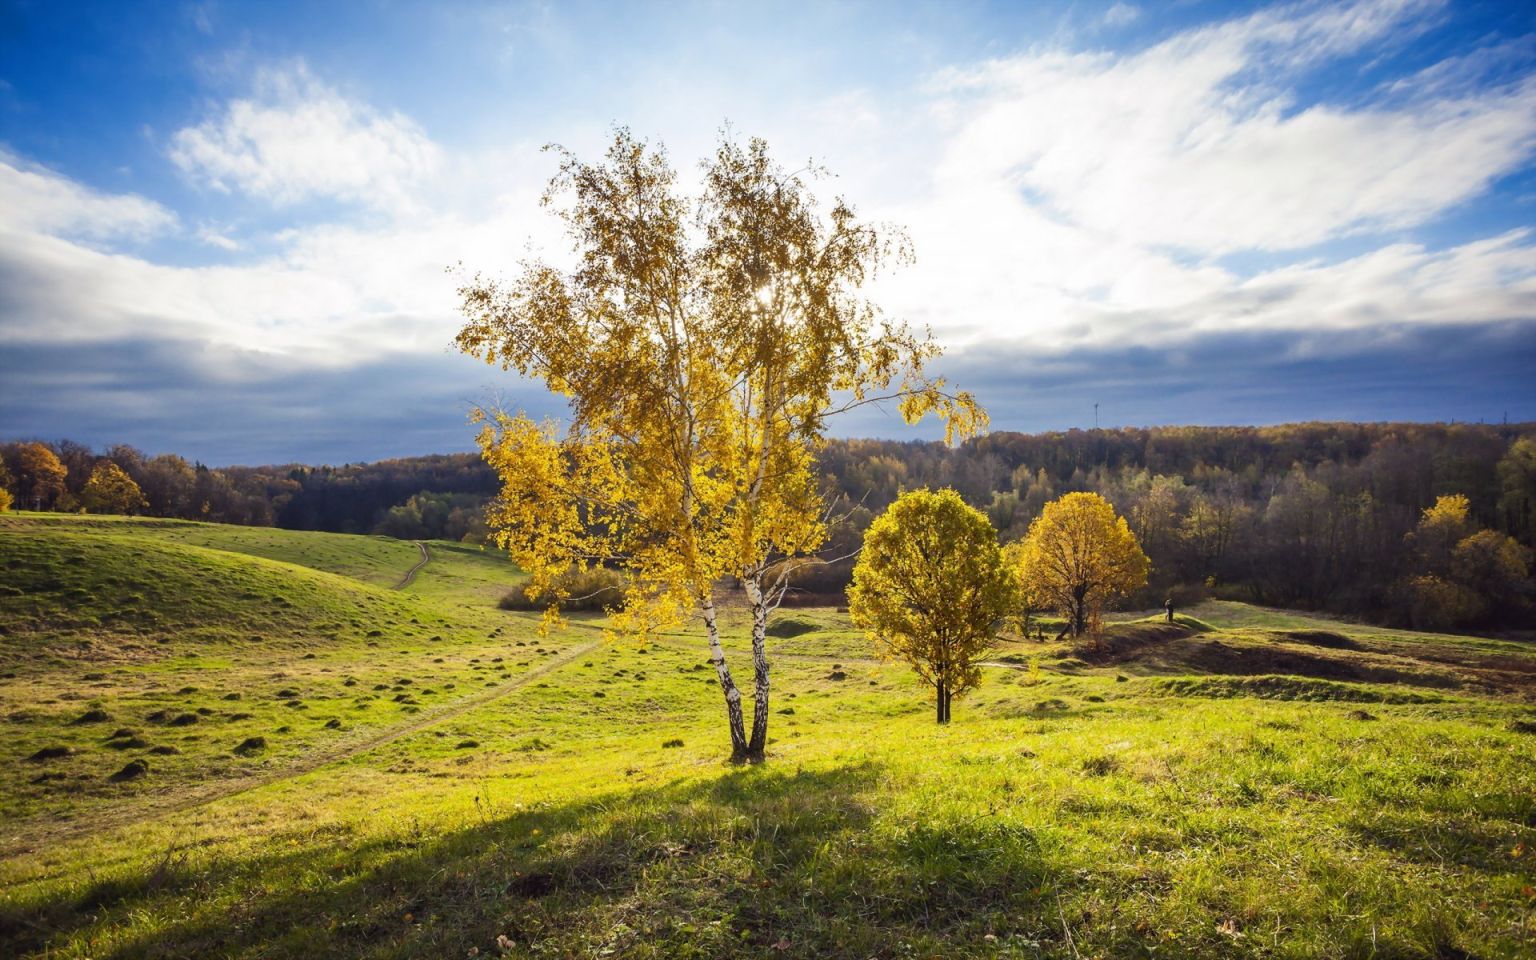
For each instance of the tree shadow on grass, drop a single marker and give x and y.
(749, 862)
(1175, 652)
(1436, 840)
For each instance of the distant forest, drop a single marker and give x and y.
(1329, 516)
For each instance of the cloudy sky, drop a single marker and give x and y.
(224, 227)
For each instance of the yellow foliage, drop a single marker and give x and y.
(1496, 567)
(700, 368)
(929, 587)
(1448, 511)
(1079, 556)
(5, 500)
(1440, 528)
(1439, 604)
(41, 474)
(110, 490)
(1027, 596)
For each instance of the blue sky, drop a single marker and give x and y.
(223, 226)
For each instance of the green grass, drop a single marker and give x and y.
(1244, 783)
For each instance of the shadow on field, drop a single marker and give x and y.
(1177, 648)
(1438, 840)
(752, 861)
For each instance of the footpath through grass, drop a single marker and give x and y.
(1243, 783)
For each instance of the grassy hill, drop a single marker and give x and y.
(335, 767)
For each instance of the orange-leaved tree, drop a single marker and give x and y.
(41, 475)
(702, 346)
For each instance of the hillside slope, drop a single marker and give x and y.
(1244, 783)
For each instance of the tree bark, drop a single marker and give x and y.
(759, 603)
(1079, 609)
(941, 699)
(727, 685)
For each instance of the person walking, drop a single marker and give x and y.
(1168, 605)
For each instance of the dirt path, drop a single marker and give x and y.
(410, 575)
(38, 835)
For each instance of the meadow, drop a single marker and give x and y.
(249, 742)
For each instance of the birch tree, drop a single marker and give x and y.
(702, 346)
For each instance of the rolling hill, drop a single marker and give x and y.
(225, 741)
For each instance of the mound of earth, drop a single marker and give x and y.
(786, 627)
(1320, 638)
(1174, 648)
(1124, 641)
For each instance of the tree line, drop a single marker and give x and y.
(415, 498)
(1321, 516)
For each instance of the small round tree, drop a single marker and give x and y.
(1079, 556)
(929, 587)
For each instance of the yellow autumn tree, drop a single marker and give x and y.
(1079, 556)
(41, 476)
(1027, 600)
(702, 345)
(1462, 575)
(5, 500)
(1496, 567)
(1440, 528)
(110, 490)
(930, 587)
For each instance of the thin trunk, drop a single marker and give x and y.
(727, 685)
(941, 698)
(759, 604)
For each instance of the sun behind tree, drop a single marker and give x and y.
(929, 587)
(702, 346)
(1079, 556)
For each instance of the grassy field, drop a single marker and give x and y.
(222, 741)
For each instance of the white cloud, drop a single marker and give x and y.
(1088, 199)
(1121, 14)
(1196, 143)
(1484, 281)
(333, 295)
(214, 237)
(296, 138)
(1056, 200)
(34, 199)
